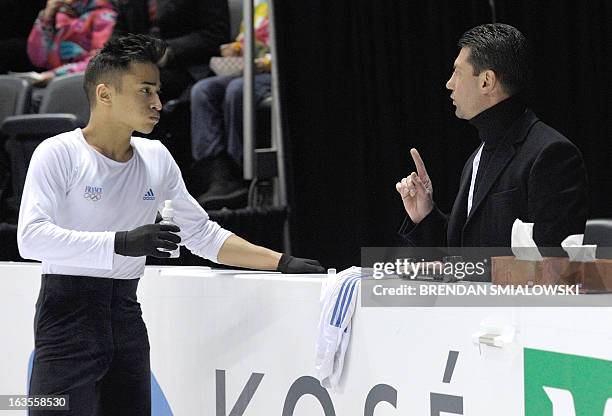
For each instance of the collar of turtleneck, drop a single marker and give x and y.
(493, 122)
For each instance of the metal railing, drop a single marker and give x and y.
(253, 156)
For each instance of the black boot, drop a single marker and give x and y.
(227, 188)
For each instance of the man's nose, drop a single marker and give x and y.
(449, 83)
(157, 105)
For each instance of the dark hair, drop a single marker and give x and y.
(116, 56)
(502, 49)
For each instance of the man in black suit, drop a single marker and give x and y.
(522, 169)
(193, 30)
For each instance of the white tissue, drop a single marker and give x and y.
(523, 246)
(576, 250)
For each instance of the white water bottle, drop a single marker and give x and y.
(168, 218)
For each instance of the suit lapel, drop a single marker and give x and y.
(500, 158)
(503, 154)
(459, 212)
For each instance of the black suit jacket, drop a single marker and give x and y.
(194, 29)
(535, 174)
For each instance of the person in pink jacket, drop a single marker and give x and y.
(67, 33)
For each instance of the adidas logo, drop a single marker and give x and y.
(149, 196)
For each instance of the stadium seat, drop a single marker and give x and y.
(64, 107)
(14, 96)
(65, 94)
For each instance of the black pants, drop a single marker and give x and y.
(92, 344)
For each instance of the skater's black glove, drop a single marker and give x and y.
(145, 240)
(296, 265)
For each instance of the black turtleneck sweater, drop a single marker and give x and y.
(492, 125)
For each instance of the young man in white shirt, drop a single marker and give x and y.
(88, 210)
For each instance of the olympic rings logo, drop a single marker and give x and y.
(92, 197)
(92, 193)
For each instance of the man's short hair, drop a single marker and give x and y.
(502, 49)
(116, 57)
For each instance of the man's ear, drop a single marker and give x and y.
(104, 94)
(488, 80)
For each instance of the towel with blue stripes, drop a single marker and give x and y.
(338, 304)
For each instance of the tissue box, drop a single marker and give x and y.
(597, 277)
(507, 270)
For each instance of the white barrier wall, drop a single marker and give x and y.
(218, 336)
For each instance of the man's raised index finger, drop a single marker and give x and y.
(419, 163)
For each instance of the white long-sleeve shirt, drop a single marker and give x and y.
(75, 199)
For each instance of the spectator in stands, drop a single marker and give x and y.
(193, 30)
(217, 122)
(67, 33)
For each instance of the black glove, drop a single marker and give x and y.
(295, 265)
(145, 240)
